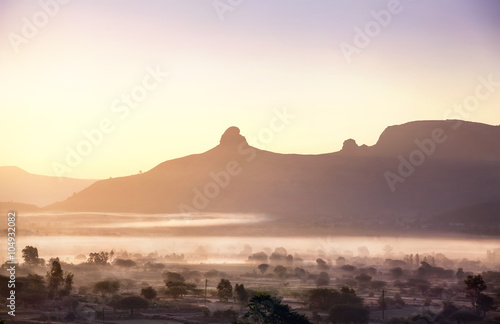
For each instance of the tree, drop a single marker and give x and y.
(363, 278)
(30, 255)
(132, 302)
(228, 314)
(98, 258)
(348, 268)
(258, 257)
(377, 284)
(280, 271)
(349, 313)
(301, 274)
(323, 279)
(179, 289)
(465, 316)
(224, 290)
(124, 263)
(265, 309)
(176, 285)
(322, 298)
(4, 286)
(485, 303)
(240, 295)
(460, 274)
(32, 289)
(173, 277)
(321, 264)
(263, 267)
(396, 272)
(149, 293)
(107, 287)
(54, 277)
(68, 285)
(420, 284)
(475, 285)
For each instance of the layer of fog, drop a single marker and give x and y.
(94, 232)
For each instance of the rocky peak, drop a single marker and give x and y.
(232, 137)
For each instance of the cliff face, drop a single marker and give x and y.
(451, 166)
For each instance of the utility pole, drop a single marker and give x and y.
(206, 283)
(383, 304)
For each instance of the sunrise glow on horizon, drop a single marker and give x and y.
(193, 75)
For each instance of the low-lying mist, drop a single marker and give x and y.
(219, 238)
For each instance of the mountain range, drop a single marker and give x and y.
(416, 172)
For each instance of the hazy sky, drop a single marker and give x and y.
(69, 68)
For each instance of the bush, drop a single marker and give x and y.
(348, 313)
(322, 298)
(229, 314)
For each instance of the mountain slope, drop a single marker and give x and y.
(234, 177)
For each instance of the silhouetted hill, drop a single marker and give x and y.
(484, 213)
(20, 208)
(20, 186)
(482, 218)
(462, 140)
(461, 168)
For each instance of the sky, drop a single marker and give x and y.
(98, 89)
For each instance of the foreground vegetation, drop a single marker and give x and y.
(275, 288)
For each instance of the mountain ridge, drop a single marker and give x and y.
(349, 183)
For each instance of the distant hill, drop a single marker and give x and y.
(6, 207)
(484, 213)
(17, 185)
(443, 165)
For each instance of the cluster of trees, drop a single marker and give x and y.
(279, 256)
(59, 284)
(34, 289)
(344, 306)
(30, 256)
(266, 309)
(98, 258)
(177, 285)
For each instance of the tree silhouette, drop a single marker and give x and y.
(322, 298)
(240, 295)
(263, 267)
(349, 313)
(30, 255)
(224, 290)
(460, 274)
(54, 277)
(33, 291)
(107, 287)
(301, 274)
(485, 303)
(323, 279)
(321, 264)
(280, 271)
(475, 285)
(265, 309)
(132, 302)
(98, 258)
(149, 293)
(68, 285)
